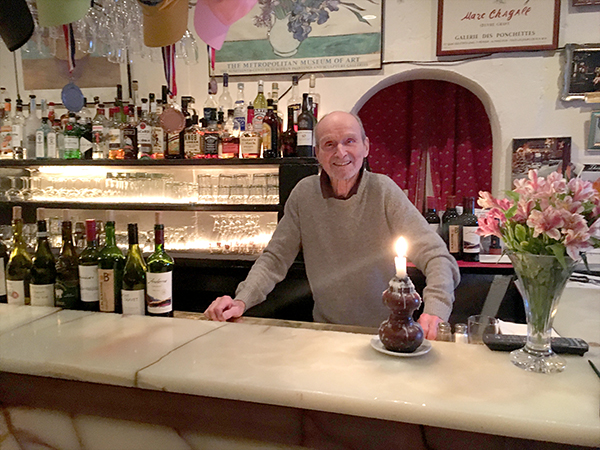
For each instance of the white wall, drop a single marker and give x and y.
(520, 90)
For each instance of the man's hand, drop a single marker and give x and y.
(225, 308)
(429, 324)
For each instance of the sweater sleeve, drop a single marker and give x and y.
(272, 265)
(426, 250)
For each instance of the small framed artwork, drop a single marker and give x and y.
(585, 2)
(594, 136)
(581, 73)
(547, 155)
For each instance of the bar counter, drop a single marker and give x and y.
(303, 367)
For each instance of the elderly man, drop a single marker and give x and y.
(346, 221)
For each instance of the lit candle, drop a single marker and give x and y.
(400, 260)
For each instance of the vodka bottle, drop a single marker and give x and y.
(100, 134)
(239, 112)
(32, 124)
(225, 100)
(18, 125)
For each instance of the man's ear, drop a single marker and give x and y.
(367, 146)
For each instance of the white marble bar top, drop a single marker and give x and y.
(465, 387)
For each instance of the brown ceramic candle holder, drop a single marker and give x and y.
(400, 333)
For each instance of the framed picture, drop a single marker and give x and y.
(585, 2)
(544, 154)
(581, 74)
(484, 26)
(594, 136)
(296, 36)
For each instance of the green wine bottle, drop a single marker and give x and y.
(159, 278)
(67, 276)
(88, 270)
(110, 272)
(43, 270)
(18, 269)
(134, 276)
(3, 262)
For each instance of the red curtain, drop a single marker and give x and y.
(409, 120)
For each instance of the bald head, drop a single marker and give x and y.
(334, 116)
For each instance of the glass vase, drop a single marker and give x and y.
(541, 280)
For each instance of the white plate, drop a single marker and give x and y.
(423, 348)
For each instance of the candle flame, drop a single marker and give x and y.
(401, 246)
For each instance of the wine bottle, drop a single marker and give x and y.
(159, 278)
(18, 269)
(43, 269)
(67, 276)
(260, 108)
(306, 124)
(451, 235)
(431, 214)
(110, 272)
(294, 103)
(88, 270)
(471, 242)
(134, 276)
(271, 132)
(3, 262)
(288, 138)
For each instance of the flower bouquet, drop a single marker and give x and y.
(546, 224)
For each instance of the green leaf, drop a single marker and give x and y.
(359, 16)
(352, 6)
(512, 195)
(520, 232)
(511, 211)
(559, 251)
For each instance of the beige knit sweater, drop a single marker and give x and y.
(348, 248)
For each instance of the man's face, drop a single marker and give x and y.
(340, 148)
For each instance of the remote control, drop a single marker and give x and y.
(510, 342)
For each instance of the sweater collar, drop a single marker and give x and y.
(327, 188)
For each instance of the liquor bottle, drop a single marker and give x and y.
(129, 138)
(18, 268)
(100, 134)
(158, 134)
(249, 114)
(271, 131)
(67, 275)
(18, 125)
(71, 139)
(306, 125)
(295, 102)
(275, 97)
(43, 268)
(288, 138)
(471, 242)
(431, 214)
(114, 135)
(84, 124)
(134, 276)
(110, 272)
(144, 131)
(88, 270)
(451, 227)
(3, 262)
(230, 138)
(159, 278)
(193, 138)
(260, 107)
(316, 97)
(225, 100)
(51, 114)
(32, 124)
(210, 138)
(6, 147)
(185, 109)
(210, 104)
(250, 142)
(239, 112)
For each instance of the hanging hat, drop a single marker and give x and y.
(165, 22)
(16, 23)
(61, 12)
(213, 18)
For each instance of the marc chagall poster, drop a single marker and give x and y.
(290, 36)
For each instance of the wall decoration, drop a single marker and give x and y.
(581, 73)
(594, 135)
(483, 26)
(293, 36)
(585, 2)
(544, 154)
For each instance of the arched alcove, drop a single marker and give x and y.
(431, 119)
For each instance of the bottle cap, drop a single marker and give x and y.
(110, 216)
(66, 215)
(90, 228)
(40, 214)
(158, 218)
(17, 212)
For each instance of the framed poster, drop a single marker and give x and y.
(484, 26)
(295, 36)
(594, 136)
(544, 154)
(581, 72)
(585, 2)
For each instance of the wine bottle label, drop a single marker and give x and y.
(454, 238)
(66, 294)
(133, 302)
(88, 283)
(305, 137)
(39, 144)
(435, 227)
(42, 294)
(471, 240)
(159, 292)
(51, 141)
(2, 278)
(15, 292)
(106, 285)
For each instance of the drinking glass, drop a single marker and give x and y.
(13, 193)
(224, 188)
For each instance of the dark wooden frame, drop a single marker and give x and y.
(581, 67)
(440, 23)
(585, 2)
